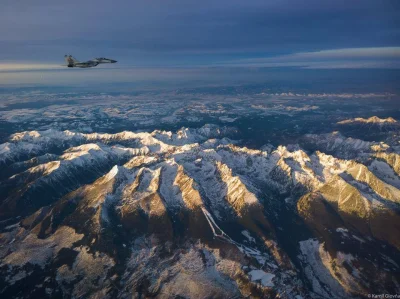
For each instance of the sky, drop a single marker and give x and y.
(159, 34)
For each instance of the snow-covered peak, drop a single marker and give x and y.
(371, 120)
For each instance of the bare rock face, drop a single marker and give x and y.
(192, 214)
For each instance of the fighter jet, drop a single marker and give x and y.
(72, 62)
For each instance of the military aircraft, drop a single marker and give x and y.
(72, 62)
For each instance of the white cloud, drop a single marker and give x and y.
(378, 57)
(15, 66)
(376, 52)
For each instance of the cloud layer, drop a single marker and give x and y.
(377, 57)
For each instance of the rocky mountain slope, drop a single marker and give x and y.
(373, 125)
(194, 214)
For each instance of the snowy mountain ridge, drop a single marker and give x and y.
(243, 221)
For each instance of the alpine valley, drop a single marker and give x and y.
(242, 195)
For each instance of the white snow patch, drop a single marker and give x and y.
(265, 278)
(248, 236)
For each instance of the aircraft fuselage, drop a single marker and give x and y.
(72, 62)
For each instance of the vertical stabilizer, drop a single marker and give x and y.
(70, 60)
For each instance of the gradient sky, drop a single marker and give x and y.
(260, 33)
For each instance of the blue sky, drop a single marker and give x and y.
(318, 34)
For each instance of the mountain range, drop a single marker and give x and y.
(197, 214)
